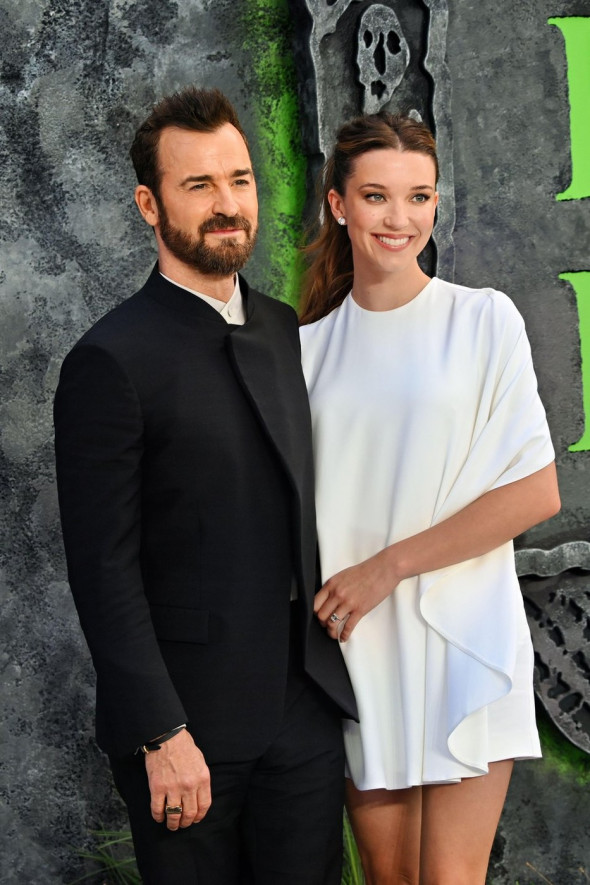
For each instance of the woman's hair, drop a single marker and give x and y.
(329, 276)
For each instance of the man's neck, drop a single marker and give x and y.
(214, 285)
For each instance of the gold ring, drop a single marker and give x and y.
(173, 809)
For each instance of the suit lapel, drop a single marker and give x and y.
(265, 356)
(266, 359)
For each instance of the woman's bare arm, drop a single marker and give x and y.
(487, 523)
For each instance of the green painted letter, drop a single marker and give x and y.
(576, 33)
(581, 285)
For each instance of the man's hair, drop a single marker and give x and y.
(199, 110)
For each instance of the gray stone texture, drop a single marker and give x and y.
(557, 609)
(75, 78)
(511, 156)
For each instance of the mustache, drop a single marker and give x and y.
(222, 222)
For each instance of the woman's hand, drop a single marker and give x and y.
(353, 592)
(489, 521)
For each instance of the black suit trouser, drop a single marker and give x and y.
(274, 820)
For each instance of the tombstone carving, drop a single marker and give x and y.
(556, 591)
(382, 56)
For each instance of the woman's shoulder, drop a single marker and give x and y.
(317, 329)
(496, 304)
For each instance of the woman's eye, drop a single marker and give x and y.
(421, 198)
(375, 198)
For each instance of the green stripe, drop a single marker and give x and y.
(281, 163)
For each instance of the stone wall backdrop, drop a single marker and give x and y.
(502, 87)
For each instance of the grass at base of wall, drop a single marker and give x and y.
(113, 857)
(559, 753)
(352, 871)
(114, 860)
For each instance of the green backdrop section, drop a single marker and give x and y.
(580, 280)
(277, 148)
(576, 33)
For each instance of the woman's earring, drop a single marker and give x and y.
(342, 220)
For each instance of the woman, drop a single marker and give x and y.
(432, 454)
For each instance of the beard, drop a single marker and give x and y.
(225, 259)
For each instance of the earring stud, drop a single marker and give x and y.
(342, 221)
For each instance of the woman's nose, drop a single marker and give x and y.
(397, 215)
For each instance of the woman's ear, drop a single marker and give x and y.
(336, 204)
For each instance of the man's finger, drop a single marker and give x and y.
(173, 812)
(157, 807)
(204, 800)
(190, 810)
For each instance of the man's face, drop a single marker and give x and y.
(207, 205)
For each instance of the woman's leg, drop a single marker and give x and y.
(458, 826)
(386, 826)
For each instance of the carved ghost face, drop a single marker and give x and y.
(382, 57)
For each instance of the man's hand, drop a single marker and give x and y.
(178, 775)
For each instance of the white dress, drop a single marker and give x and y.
(417, 412)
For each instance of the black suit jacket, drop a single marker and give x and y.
(185, 479)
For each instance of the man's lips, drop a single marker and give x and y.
(225, 227)
(226, 231)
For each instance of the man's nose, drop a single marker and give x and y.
(225, 202)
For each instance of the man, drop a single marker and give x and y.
(186, 492)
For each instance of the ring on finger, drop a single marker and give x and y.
(334, 617)
(173, 809)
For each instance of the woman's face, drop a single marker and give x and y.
(389, 207)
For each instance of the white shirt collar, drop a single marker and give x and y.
(232, 311)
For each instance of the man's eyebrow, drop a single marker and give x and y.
(237, 173)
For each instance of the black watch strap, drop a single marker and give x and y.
(152, 746)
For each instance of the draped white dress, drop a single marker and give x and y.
(417, 412)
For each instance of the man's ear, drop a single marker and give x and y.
(147, 205)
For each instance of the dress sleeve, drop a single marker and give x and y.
(511, 437)
(476, 605)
